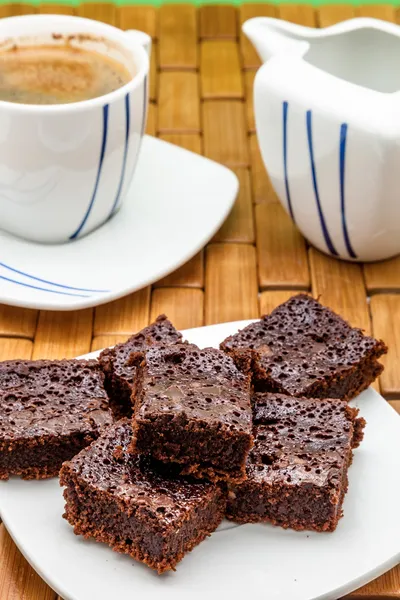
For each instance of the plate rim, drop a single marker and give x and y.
(338, 592)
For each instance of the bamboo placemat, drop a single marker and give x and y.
(202, 73)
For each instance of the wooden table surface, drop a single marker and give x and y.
(201, 98)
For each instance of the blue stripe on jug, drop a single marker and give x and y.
(342, 162)
(47, 282)
(288, 198)
(96, 185)
(121, 181)
(324, 228)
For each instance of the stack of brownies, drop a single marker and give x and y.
(163, 439)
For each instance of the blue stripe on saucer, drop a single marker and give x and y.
(35, 287)
(60, 285)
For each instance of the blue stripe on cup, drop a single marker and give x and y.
(121, 181)
(342, 163)
(96, 185)
(324, 228)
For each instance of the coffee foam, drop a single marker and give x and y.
(70, 69)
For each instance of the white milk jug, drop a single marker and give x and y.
(327, 107)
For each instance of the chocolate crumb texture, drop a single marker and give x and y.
(297, 469)
(120, 368)
(192, 408)
(134, 505)
(304, 349)
(49, 411)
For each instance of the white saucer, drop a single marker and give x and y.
(176, 203)
(261, 562)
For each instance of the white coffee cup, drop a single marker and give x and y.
(65, 168)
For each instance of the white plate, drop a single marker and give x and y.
(248, 561)
(176, 203)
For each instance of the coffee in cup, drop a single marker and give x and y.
(48, 74)
(71, 130)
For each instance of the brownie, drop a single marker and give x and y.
(305, 349)
(119, 374)
(49, 411)
(192, 407)
(136, 507)
(297, 469)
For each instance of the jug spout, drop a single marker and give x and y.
(272, 37)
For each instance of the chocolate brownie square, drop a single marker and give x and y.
(136, 507)
(305, 349)
(120, 375)
(49, 411)
(297, 469)
(192, 407)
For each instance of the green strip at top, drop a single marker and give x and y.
(212, 2)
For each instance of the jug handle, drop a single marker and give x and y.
(273, 37)
(141, 38)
